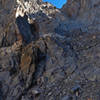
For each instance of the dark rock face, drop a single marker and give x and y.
(24, 28)
(49, 54)
(7, 23)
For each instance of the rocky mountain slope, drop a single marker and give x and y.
(48, 53)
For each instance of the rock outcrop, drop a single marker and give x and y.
(48, 53)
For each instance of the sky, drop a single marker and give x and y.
(57, 3)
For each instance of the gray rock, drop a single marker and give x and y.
(49, 47)
(75, 89)
(67, 98)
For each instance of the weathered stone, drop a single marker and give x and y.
(26, 59)
(52, 49)
(67, 98)
(75, 89)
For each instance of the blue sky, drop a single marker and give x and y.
(56, 3)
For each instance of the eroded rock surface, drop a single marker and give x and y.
(48, 53)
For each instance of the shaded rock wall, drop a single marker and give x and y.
(8, 30)
(51, 54)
